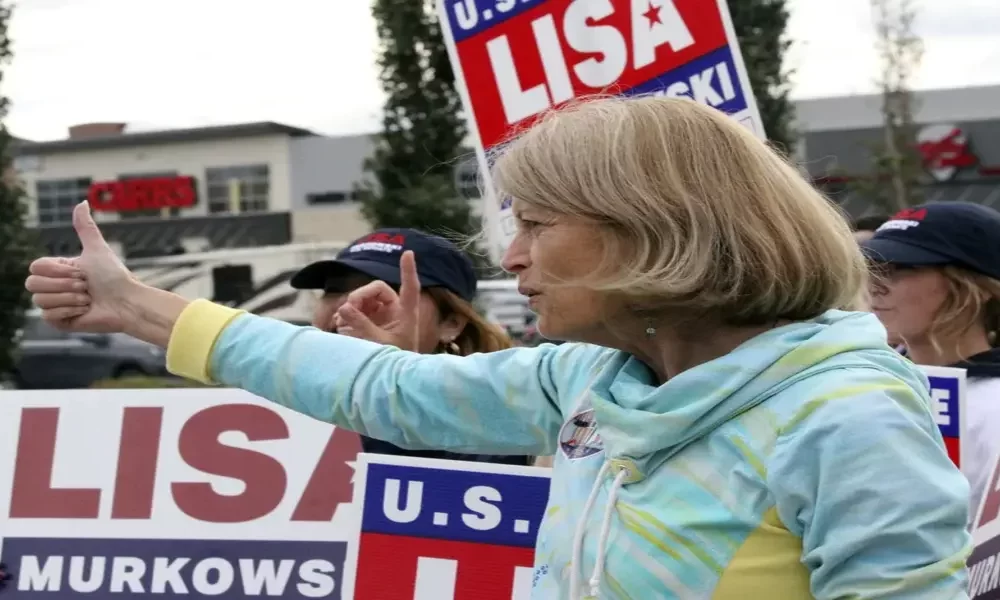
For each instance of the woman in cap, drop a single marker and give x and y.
(449, 322)
(938, 292)
(725, 427)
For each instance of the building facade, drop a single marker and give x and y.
(190, 190)
(958, 139)
(261, 184)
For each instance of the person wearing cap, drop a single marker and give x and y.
(937, 291)
(449, 322)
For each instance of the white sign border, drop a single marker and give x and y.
(962, 402)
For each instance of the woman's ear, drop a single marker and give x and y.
(451, 326)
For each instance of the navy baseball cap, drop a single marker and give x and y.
(960, 234)
(439, 262)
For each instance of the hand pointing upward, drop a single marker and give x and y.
(85, 293)
(375, 312)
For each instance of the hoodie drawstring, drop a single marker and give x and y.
(581, 529)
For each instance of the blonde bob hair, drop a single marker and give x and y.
(698, 214)
(971, 300)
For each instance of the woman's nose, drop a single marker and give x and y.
(517, 256)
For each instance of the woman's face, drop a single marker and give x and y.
(433, 329)
(548, 251)
(906, 300)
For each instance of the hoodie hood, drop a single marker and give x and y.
(648, 423)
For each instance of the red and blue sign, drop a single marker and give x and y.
(984, 563)
(515, 59)
(947, 389)
(447, 534)
(518, 58)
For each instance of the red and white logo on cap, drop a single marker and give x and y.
(904, 219)
(380, 242)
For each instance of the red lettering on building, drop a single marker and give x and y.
(143, 194)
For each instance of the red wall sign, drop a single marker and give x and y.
(142, 194)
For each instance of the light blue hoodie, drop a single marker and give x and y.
(804, 464)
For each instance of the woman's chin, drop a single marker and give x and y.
(546, 329)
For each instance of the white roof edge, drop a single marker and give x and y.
(974, 103)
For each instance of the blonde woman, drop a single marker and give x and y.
(725, 426)
(449, 323)
(938, 292)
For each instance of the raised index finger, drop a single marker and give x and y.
(409, 288)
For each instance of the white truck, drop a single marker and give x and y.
(256, 279)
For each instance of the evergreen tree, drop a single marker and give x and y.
(411, 173)
(17, 246)
(760, 26)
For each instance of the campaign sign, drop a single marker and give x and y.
(948, 399)
(190, 493)
(444, 530)
(984, 564)
(514, 59)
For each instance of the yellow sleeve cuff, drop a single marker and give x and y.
(192, 339)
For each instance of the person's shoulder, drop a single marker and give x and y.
(851, 395)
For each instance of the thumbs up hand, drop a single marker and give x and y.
(87, 293)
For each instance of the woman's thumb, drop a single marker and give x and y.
(86, 229)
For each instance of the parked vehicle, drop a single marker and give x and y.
(256, 280)
(53, 359)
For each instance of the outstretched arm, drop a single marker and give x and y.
(502, 402)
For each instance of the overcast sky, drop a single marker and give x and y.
(180, 63)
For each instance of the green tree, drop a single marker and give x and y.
(17, 246)
(894, 179)
(761, 28)
(411, 172)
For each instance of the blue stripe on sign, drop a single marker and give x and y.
(50, 568)
(949, 401)
(711, 79)
(469, 17)
(467, 506)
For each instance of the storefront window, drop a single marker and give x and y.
(238, 189)
(57, 197)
